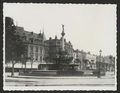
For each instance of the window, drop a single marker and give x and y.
(31, 40)
(41, 50)
(40, 58)
(36, 48)
(31, 49)
(36, 57)
(37, 41)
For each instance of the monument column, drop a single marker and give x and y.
(63, 44)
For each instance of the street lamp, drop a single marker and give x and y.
(99, 74)
(32, 61)
(22, 57)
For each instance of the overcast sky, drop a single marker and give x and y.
(89, 27)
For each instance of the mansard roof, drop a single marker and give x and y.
(22, 32)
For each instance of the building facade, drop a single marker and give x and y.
(106, 63)
(90, 61)
(34, 44)
(55, 45)
(52, 47)
(109, 63)
(79, 57)
(86, 61)
(41, 51)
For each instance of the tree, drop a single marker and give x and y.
(24, 60)
(9, 37)
(14, 46)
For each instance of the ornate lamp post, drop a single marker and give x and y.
(99, 71)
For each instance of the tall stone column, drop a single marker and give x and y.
(63, 44)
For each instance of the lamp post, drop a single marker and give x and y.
(58, 61)
(32, 62)
(22, 60)
(99, 74)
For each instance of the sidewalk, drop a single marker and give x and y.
(58, 80)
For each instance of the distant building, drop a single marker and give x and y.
(55, 45)
(90, 61)
(106, 63)
(86, 61)
(52, 47)
(34, 44)
(69, 48)
(109, 63)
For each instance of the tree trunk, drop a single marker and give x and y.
(31, 64)
(12, 73)
(25, 66)
(22, 65)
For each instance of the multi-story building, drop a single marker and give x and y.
(86, 61)
(106, 63)
(69, 48)
(90, 61)
(79, 57)
(52, 47)
(109, 63)
(55, 45)
(34, 44)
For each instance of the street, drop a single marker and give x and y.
(17, 80)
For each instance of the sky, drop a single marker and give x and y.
(89, 27)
